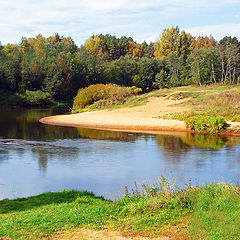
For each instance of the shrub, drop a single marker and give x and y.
(104, 93)
(36, 98)
(201, 123)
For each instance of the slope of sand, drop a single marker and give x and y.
(141, 118)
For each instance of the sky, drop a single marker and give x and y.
(139, 19)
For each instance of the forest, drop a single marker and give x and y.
(55, 67)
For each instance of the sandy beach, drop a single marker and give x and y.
(140, 118)
(144, 118)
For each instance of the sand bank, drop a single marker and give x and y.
(144, 118)
(141, 119)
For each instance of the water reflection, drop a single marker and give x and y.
(35, 157)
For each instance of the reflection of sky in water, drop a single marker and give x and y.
(105, 167)
(76, 159)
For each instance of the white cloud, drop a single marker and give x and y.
(81, 18)
(217, 31)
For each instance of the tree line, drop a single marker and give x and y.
(56, 65)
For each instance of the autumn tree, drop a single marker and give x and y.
(203, 42)
(96, 46)
(167, 43)
(135, 49)
(173, 42)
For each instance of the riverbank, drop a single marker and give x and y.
(154, 115)
(139, 118)
(162, 212)
(29, 99)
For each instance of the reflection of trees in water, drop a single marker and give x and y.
(206, 141)
(46, 152)
(24, 124)
(171, 143)
(179, 147)
(176, 144)
(3, 156)
(107, 135)
(42, 160)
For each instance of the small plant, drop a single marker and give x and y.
(202, 123)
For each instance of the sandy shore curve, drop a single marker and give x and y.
(108, 120)
(144, 118)
(141, 118)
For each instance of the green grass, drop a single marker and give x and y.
(207, 212)
(206, 123)
(216, 212)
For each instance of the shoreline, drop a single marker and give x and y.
(160, 126)
(144, 118)
(140, 119)
(102, 120)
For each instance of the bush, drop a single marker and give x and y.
(99, 92)
(201, 123)
(35, 98)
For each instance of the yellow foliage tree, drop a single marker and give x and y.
(135, 49)
(9, 49)
(167, 43)
(95, 46)
(206, 42)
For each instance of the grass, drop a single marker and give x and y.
(225, 104)
(127, 98)
(209, 102)
(196, 97)
(207, 212)
(221, 101)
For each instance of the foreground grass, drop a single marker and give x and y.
(208, 212)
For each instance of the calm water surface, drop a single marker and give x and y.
(35, 158)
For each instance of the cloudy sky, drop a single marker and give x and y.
(140, 19)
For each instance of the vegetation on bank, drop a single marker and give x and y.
(207, 212)
(210, 107)
(57, 66)
(206, 124)
(28, 99)
(100, 96)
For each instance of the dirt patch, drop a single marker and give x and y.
(88, 234)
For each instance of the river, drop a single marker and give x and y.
(36, 158)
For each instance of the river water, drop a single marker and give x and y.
(36, 158)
